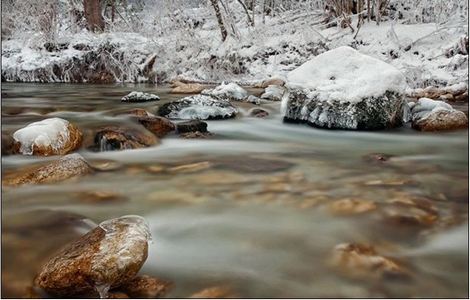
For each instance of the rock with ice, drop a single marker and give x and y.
(433, 115)
(52, 136)
(202, 107)
(273, 93)
(229, 91)
(139, 97)
(106, 257)
(112, 138)
(344, 89)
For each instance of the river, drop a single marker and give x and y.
(251, 207)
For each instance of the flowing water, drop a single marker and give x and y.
(249, 210)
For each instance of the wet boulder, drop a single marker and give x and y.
(159, 126)
(138, 112)
(273, 93)
(196, 135)
(106, 257)
(8, 145)
(433, 115)
(253, 99)
(230, 92)
(139, 97)
(344, 89)
(191, 126)
(111, 138)
(68, 166)
(52, 136)
(200, 107)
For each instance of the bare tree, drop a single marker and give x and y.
(93, 15)
(218, 15)
(250, 20)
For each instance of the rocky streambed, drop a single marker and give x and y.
(239, 205)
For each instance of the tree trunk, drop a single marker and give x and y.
(250, 20)
(377, 11)
(223, 30)
(368, 10)
(93, 15)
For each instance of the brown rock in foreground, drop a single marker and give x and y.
(68, 166)
(270, 81)
(112, 138)
(146, 287)
(8, 145)
(106, 257)
(52, 136)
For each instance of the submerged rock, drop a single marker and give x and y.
(201, 107)
(252, 165)
(138, 112)
(258, 113)
(186, 88)
(112, 138)
(344, 89)
(349, 206)
(229, 91)
(196, 135)
(214, 292)
(273, 93)
(52, 136)
(159, 126)
(139, 97)
(106, 257)
(363, 262)
(68, 166)
(191, 126)
(432, 115)
(146, 287)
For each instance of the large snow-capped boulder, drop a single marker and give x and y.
(344, 89)
(53, 136)
(229, 91)
(106, 257)
(202, 107)
(432, 115)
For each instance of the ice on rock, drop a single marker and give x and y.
(229, 91)
(139, 97)
(433, 115)
(201, 107)
(49, 132)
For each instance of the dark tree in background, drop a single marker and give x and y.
(93, 16)
(218, 14)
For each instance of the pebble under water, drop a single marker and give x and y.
(256, 210)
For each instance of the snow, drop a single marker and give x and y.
(49, 132)
(345, 75)
(201, 107)
(230, 91)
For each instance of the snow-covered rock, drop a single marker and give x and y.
(139, 97)
(229, 91)
(344, 89)
(273, 93)
(54, 136)
(432, 115)
(201, 107)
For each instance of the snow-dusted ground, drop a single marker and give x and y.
(280, 45)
